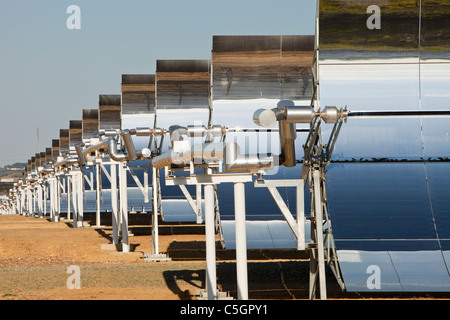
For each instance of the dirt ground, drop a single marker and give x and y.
(35, 255)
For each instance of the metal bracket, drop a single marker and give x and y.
(297, 225)
(143, 188)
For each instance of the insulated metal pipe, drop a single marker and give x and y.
(102, 144)
(287, 142)
(114, 154)
(235, 162)
(177, 131)
(201, 152)
(129, 145)
(81, 158)
(265, 118)
(299, 114)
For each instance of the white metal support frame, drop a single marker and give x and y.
(155, 235)
(80, 192)
(97, 194)
(52, 194)
(39, 199)
(317, 260)
(123, 206)
(29, 200)
(68, 185)
(297, 224)
(46, 195)
(210, 233)
(112, 176)
(114, 203)
(143, 186)
(155, 255)
(241, 241)
(195, 205)
(74, 192)
(209, 181)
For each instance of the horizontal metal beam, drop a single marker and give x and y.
(209, 179)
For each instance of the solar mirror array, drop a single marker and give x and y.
(336, 144)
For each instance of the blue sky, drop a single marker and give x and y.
(49, 74)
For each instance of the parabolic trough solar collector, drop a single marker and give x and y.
(388, 186)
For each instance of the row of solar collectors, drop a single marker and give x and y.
(389, 188)
(245, 73)
(387, 185)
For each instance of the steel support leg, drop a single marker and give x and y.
(51, 182)
(124, 206)
(211, 280)
(114, 205)
(198, 192)
(97, 195)
(45, 199)
(30, 202)
(58, 192)
(69, 194)
(34, 202)
(241, 241)
(39, 200)
(74, 190)
(155, 234)
(22, 201)
(80, 188)
(317, 261)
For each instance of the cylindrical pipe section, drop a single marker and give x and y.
(287, 143)
(265, 118)
(103, 144)
(330, 115)
(81, 159)
(235, 162)
(299, 114)
(145, 153)
(129, 145)
(141, 131)
(195, 131)
(114, 154)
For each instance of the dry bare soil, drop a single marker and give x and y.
(35, 255)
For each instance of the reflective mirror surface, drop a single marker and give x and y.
(387, 187)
